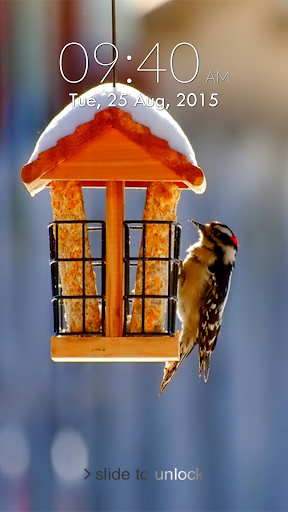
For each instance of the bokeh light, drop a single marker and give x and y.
(69, 455)
(14, 451)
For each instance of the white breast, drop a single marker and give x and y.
(190, 293)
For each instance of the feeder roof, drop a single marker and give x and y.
(68, 137)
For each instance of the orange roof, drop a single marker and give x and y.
(112, 147)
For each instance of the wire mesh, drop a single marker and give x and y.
(132, 246)
(97, 239)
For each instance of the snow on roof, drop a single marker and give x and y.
(160, 122)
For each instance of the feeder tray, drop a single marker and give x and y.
(111, 149)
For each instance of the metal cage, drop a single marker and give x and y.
(97, 239)
(96, 229)
(171, 264)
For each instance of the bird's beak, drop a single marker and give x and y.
(201, 227)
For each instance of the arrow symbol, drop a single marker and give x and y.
(87, 472)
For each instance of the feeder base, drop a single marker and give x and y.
(100, 349)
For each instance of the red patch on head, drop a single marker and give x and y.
(234, 240)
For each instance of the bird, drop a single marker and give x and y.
(203, 287)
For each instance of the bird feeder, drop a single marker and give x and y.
(92, 143)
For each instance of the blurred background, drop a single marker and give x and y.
(57, 419)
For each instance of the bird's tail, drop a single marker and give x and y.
(171, 367)
(204, 360)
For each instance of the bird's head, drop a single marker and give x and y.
(217, 235)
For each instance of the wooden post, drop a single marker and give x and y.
(114, 258)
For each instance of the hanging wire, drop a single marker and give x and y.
(113, 41)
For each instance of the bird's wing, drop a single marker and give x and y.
(211, 312)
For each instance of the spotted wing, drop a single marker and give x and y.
(211, 316)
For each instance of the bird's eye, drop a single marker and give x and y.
(216, 231)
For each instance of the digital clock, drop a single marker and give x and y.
(111, 64)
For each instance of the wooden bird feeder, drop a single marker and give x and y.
(111, 148)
